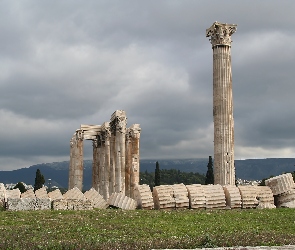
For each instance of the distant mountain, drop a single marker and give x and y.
(58, 172)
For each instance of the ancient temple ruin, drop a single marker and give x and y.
(115, 166)
(220, 38)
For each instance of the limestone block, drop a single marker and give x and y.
(163, 197)
(74, 194)
(55, 195)
(121, 201)
(59, 204)
(196, 196)
(249, 196)
(79, 204)
(2, 195)
(180, 195)
(96, 199)
(43, 204)
(289, 204)
(232, 196)
(41, 193)
(265, 205)
(288, 196)
(215, 197)
(21, 204)
(28, 194)
(264, 195)
(14, 193)
(281, 183)
(143, 197)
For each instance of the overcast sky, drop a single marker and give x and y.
(66, 63)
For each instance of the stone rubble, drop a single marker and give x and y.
(249, 196)
(180, 194)
(121, 201)
(196, 196)
(163, 197)
(96, 199)
(143, 197)
(283, 188)
(215, 197)
(232, 196)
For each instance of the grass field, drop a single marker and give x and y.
(140, 229)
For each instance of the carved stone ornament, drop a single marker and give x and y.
(79, 135)
(220, 33)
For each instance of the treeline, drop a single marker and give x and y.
(172, 176)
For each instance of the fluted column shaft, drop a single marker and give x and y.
(220, 38)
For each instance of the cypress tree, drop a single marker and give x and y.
(210, 173)
(157, 175)
(21, 187)
(39, 180)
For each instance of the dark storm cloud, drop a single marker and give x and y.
(64, 63)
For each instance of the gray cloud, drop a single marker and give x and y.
(64, 63)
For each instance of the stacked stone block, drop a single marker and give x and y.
(143, 197)
(163, 197)
(232, 196)
(196, 194)
(2, 195)
(265, 197)
(28, 194)
(215, 197)
(282, 187)
(121, 201)
(55, 195)
(249, 196)
(180, 194)
(96, 199)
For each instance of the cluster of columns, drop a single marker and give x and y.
(220, 38)
(115, 156)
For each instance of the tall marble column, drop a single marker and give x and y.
(72, 162)
(78, 164)
(220, 38)
(118, 128)
(106, 135)
(134, 170)
(95, 165)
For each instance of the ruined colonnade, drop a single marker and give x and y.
(115, 166)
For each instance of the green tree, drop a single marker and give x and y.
(210, 173)
(39, 180)
(157, 175)
(21, 187)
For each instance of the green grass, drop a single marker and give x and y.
(140, 229)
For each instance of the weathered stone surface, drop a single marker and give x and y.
(265, 197)
(215, 197)
(43, 204)
(96, 199)
(289, 204)
(21, 204)
(180, 195)
(28, 194)
(121, 201)
(281, 183)
(249, 196)
(143, 197)
(2, 195)
(74, 194)
(41, 193)
(196, 196)
(224, 170)
(59, 204)
(55, 195)
(79, 204)
(163, 197)
(286, 197)
(232, 196)
(14, 193)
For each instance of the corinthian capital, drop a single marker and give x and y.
(220, 33)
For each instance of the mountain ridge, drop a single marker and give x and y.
(250, 169)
